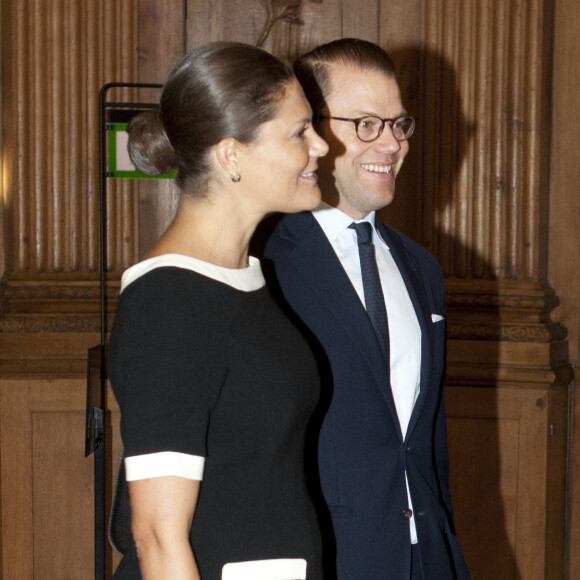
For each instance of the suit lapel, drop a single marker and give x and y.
(338, 297)
(409, 270)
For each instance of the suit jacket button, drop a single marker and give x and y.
(407, 514)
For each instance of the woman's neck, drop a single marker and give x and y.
(208, 232)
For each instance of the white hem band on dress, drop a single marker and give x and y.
(278, 569)
(164, 463)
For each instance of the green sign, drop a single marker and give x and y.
(119, 164)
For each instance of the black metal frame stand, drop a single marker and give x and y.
(95, 435)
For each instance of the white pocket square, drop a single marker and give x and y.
(436, 318)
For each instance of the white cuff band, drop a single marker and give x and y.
(164, 463)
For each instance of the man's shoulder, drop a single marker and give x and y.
(399, 240)
(295, 222)
(285, 230)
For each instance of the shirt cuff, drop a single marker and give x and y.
(162, 464)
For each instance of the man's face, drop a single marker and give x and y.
(358, 177)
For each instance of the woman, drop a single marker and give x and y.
(215, 386)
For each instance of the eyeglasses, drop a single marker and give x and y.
(371, 128)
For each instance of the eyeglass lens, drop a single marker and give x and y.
(369, 128)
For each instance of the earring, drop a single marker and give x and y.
(235, 178)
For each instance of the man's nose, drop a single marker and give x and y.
(387, 140)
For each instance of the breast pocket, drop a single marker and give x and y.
(438, 327)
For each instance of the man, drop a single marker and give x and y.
(382, 455)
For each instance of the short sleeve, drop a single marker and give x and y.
(165, 364)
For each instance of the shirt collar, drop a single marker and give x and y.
(334, 222)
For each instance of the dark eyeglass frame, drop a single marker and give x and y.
(384, 122)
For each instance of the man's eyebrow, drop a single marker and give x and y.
(369, 114)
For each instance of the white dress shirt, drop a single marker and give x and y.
(404, 329)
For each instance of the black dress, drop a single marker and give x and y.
(214, 383)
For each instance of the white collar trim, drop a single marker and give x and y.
(244, 279)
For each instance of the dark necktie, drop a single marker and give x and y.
(374, 299)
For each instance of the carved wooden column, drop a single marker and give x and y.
(485, 139)
(60, 54)
(56, 55)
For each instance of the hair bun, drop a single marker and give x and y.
(149, 147)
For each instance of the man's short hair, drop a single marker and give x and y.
(312, 68)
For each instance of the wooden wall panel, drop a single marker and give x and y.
(322, 23)
(161, 43)
(3, 186)
(483, 184)
(223, 20)
(47, 483)
(56, 56)
(58, 65)
(15, 472)
(564, 228)
(4, 160)
(485, 517)
(401, 35)
(361, 19)
(62, 485)
(499, 442)
(245, 21)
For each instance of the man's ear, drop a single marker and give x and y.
(227, 153)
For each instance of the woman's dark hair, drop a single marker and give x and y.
(312, 68)
(221, 89)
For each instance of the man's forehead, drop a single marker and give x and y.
(352, 82)
(346, 68)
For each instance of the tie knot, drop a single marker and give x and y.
(364, 232)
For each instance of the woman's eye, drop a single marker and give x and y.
(302, 131)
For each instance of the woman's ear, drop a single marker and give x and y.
(227, 153)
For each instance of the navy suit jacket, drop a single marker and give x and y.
(362, 457)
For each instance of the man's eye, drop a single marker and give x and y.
(401, 123)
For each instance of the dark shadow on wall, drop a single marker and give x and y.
(426, 189)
